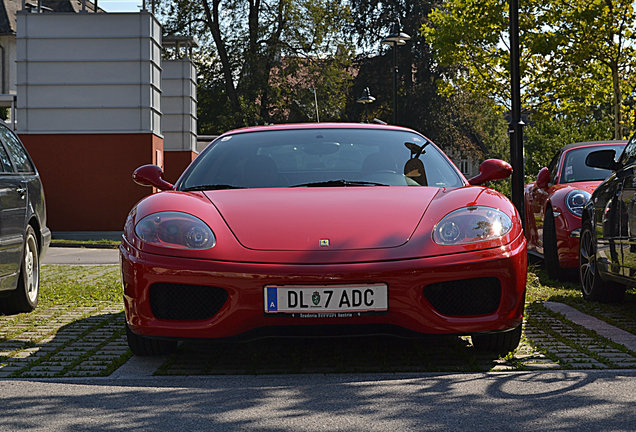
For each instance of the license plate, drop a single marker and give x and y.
(326, 300)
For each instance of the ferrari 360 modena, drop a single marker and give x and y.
(323, 229)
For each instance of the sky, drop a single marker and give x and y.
(121, 5)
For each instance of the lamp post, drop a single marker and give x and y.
(365, 100)
(515, 129)
(395, 39)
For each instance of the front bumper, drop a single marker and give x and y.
(568, 231)
(243, 311)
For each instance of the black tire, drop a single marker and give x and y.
(144, 346)
(593, 287)
(25, 296)
(550, 250)
(499, 343)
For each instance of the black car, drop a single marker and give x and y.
(24, 237)
(607, 247)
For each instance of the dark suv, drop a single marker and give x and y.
(607, 248)
(24, 237)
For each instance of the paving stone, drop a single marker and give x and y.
(38, 374)
(81, 374)
(45, 368)
(542, 366)
(11, 368)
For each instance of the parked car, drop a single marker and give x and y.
(24, 236)
(554, 202)
(323, 229)
(607, 252)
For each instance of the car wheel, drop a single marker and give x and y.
(593, 287)
(144, 346)
(550, 251)
(500, 343)
(25, 297)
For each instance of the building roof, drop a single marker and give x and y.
(10, 8)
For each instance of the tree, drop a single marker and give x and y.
(258, 42)
(597, 39)
(577, 57)
(457, 122)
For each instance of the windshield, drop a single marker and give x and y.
(575, 170)
(329, 157)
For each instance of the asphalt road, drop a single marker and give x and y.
(88, 256)
(522, 401)
(132, 399)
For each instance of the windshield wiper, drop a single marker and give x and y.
(341, 182)
(211, 187)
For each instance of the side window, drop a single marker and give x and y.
(17, 152)
(5, 162)
(553, 167)
(629, 154)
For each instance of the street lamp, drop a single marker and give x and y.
(397, 37)
(515, 129)
(365, 100)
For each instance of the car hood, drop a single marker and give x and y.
(310, 219)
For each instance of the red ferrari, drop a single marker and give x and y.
(554, 204)
(323, 229)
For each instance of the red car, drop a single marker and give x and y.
(323, 229)
(554, 204)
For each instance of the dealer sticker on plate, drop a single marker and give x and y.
(325, 301)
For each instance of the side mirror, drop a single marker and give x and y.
(543, 178)
(602, 159)
(151, 175)
(491, 169)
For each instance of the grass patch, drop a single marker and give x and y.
(75, 286)
(541, 288)
(86, 243)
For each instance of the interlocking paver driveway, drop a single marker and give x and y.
(88, 339)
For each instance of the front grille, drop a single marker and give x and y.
(477, 296)
(185, 302)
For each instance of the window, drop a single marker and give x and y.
(575, 169)
(16, 151)
(463, 166)
(5, 162)
(291, 157)
(629, 155)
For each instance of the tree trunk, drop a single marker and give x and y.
(616, 88)
(212, 21)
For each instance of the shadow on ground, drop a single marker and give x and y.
(559, 400)
(370, 354)
(54, 342)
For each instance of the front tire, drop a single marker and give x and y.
(25, 297)
(593, 287)
(499, 343)
(550, 250)
(145, 346)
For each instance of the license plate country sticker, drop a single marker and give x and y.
(325, 299)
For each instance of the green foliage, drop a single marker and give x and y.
(577, 62)
(263, 60)
(76, 286)
(549, 135)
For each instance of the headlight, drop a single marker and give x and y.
(575, 201)
(471, 225)
(175, 230)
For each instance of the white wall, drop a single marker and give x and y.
(89, 73)
(179, 105)
(8, 45)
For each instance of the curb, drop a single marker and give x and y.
(85, 245)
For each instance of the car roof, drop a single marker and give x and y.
(590, 143)
(290, 126)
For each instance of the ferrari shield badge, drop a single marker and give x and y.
(324, 242)
(315, 297)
